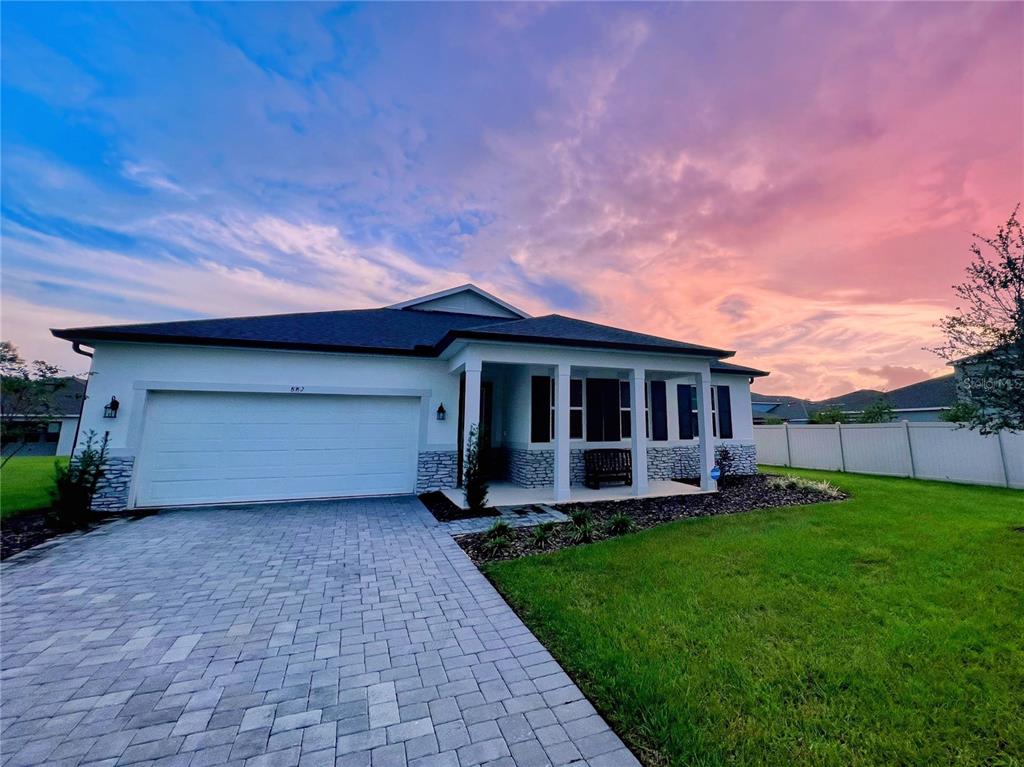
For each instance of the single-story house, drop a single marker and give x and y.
(52, 433)
(382, 401)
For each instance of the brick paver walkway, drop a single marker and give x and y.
(329, 633)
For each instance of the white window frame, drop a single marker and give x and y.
(580, 407)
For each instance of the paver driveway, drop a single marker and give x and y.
(327, 633)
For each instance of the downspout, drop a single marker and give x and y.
(76, 347)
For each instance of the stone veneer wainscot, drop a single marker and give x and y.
(112, 491)
(536, 468)
(436, 469)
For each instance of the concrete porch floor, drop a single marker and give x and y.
(508, 494)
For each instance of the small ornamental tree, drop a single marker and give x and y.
(474, 481)
(961, 412)
(76, 483)
(726, 464)
(880, 411)
(28, 397)
(985, 337)
(829, 415)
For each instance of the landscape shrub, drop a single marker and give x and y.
(76, 483)
(500, 529)
(800, 483)
(474, 480)
(581, 515)
(540, 536)
(620, 523)
(582, 532)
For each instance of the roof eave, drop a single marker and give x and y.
(240, 343)
(456, 335)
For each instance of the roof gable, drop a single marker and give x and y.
(464, 299)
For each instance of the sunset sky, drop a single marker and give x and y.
(795, 181)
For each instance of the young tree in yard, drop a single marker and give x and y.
(829, 415)
(880, 411)
(961, 412)
(986, 334)
(76, 483)
(27, 394)
(474, 481)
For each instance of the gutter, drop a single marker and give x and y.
(76, 347)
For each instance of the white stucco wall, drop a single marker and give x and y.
(66, 441)
(128, 371)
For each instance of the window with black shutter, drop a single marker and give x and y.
(659, 412)
(540, 409)
(686, 400)
(724, 412)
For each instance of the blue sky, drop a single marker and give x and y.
(787, 180)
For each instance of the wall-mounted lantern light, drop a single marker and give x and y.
(110, 409)
(441, 412)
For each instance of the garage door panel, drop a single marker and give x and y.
(223, 447)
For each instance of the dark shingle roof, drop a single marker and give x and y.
(66, 399)
(784, 407)
(728, 367)
(391, 331)
(854, 400)
(568, 331)
(935, 392)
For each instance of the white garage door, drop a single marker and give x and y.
(213, 447)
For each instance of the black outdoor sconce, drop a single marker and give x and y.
(110, 409)
(441, 412)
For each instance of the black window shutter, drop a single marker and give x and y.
(724, 413)
(659, 412)
(540, 409)
(610, 409)
(595, 430)
(684, 393)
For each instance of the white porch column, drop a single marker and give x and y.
(638, 416)
(562, 462)
(707, 430)
(470, 407)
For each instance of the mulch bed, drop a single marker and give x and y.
(445, 511)
(31, 528)
(737, 495)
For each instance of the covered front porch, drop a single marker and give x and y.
(505, 493)
(538, 412)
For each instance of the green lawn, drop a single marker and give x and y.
(25, 484)
(884, 630)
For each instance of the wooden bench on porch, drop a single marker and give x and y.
(607, 465)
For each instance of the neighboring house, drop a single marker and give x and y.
(768, 408)
(53, 434)
(922, 401)
(381, 401)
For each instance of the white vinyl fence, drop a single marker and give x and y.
(903, 449)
